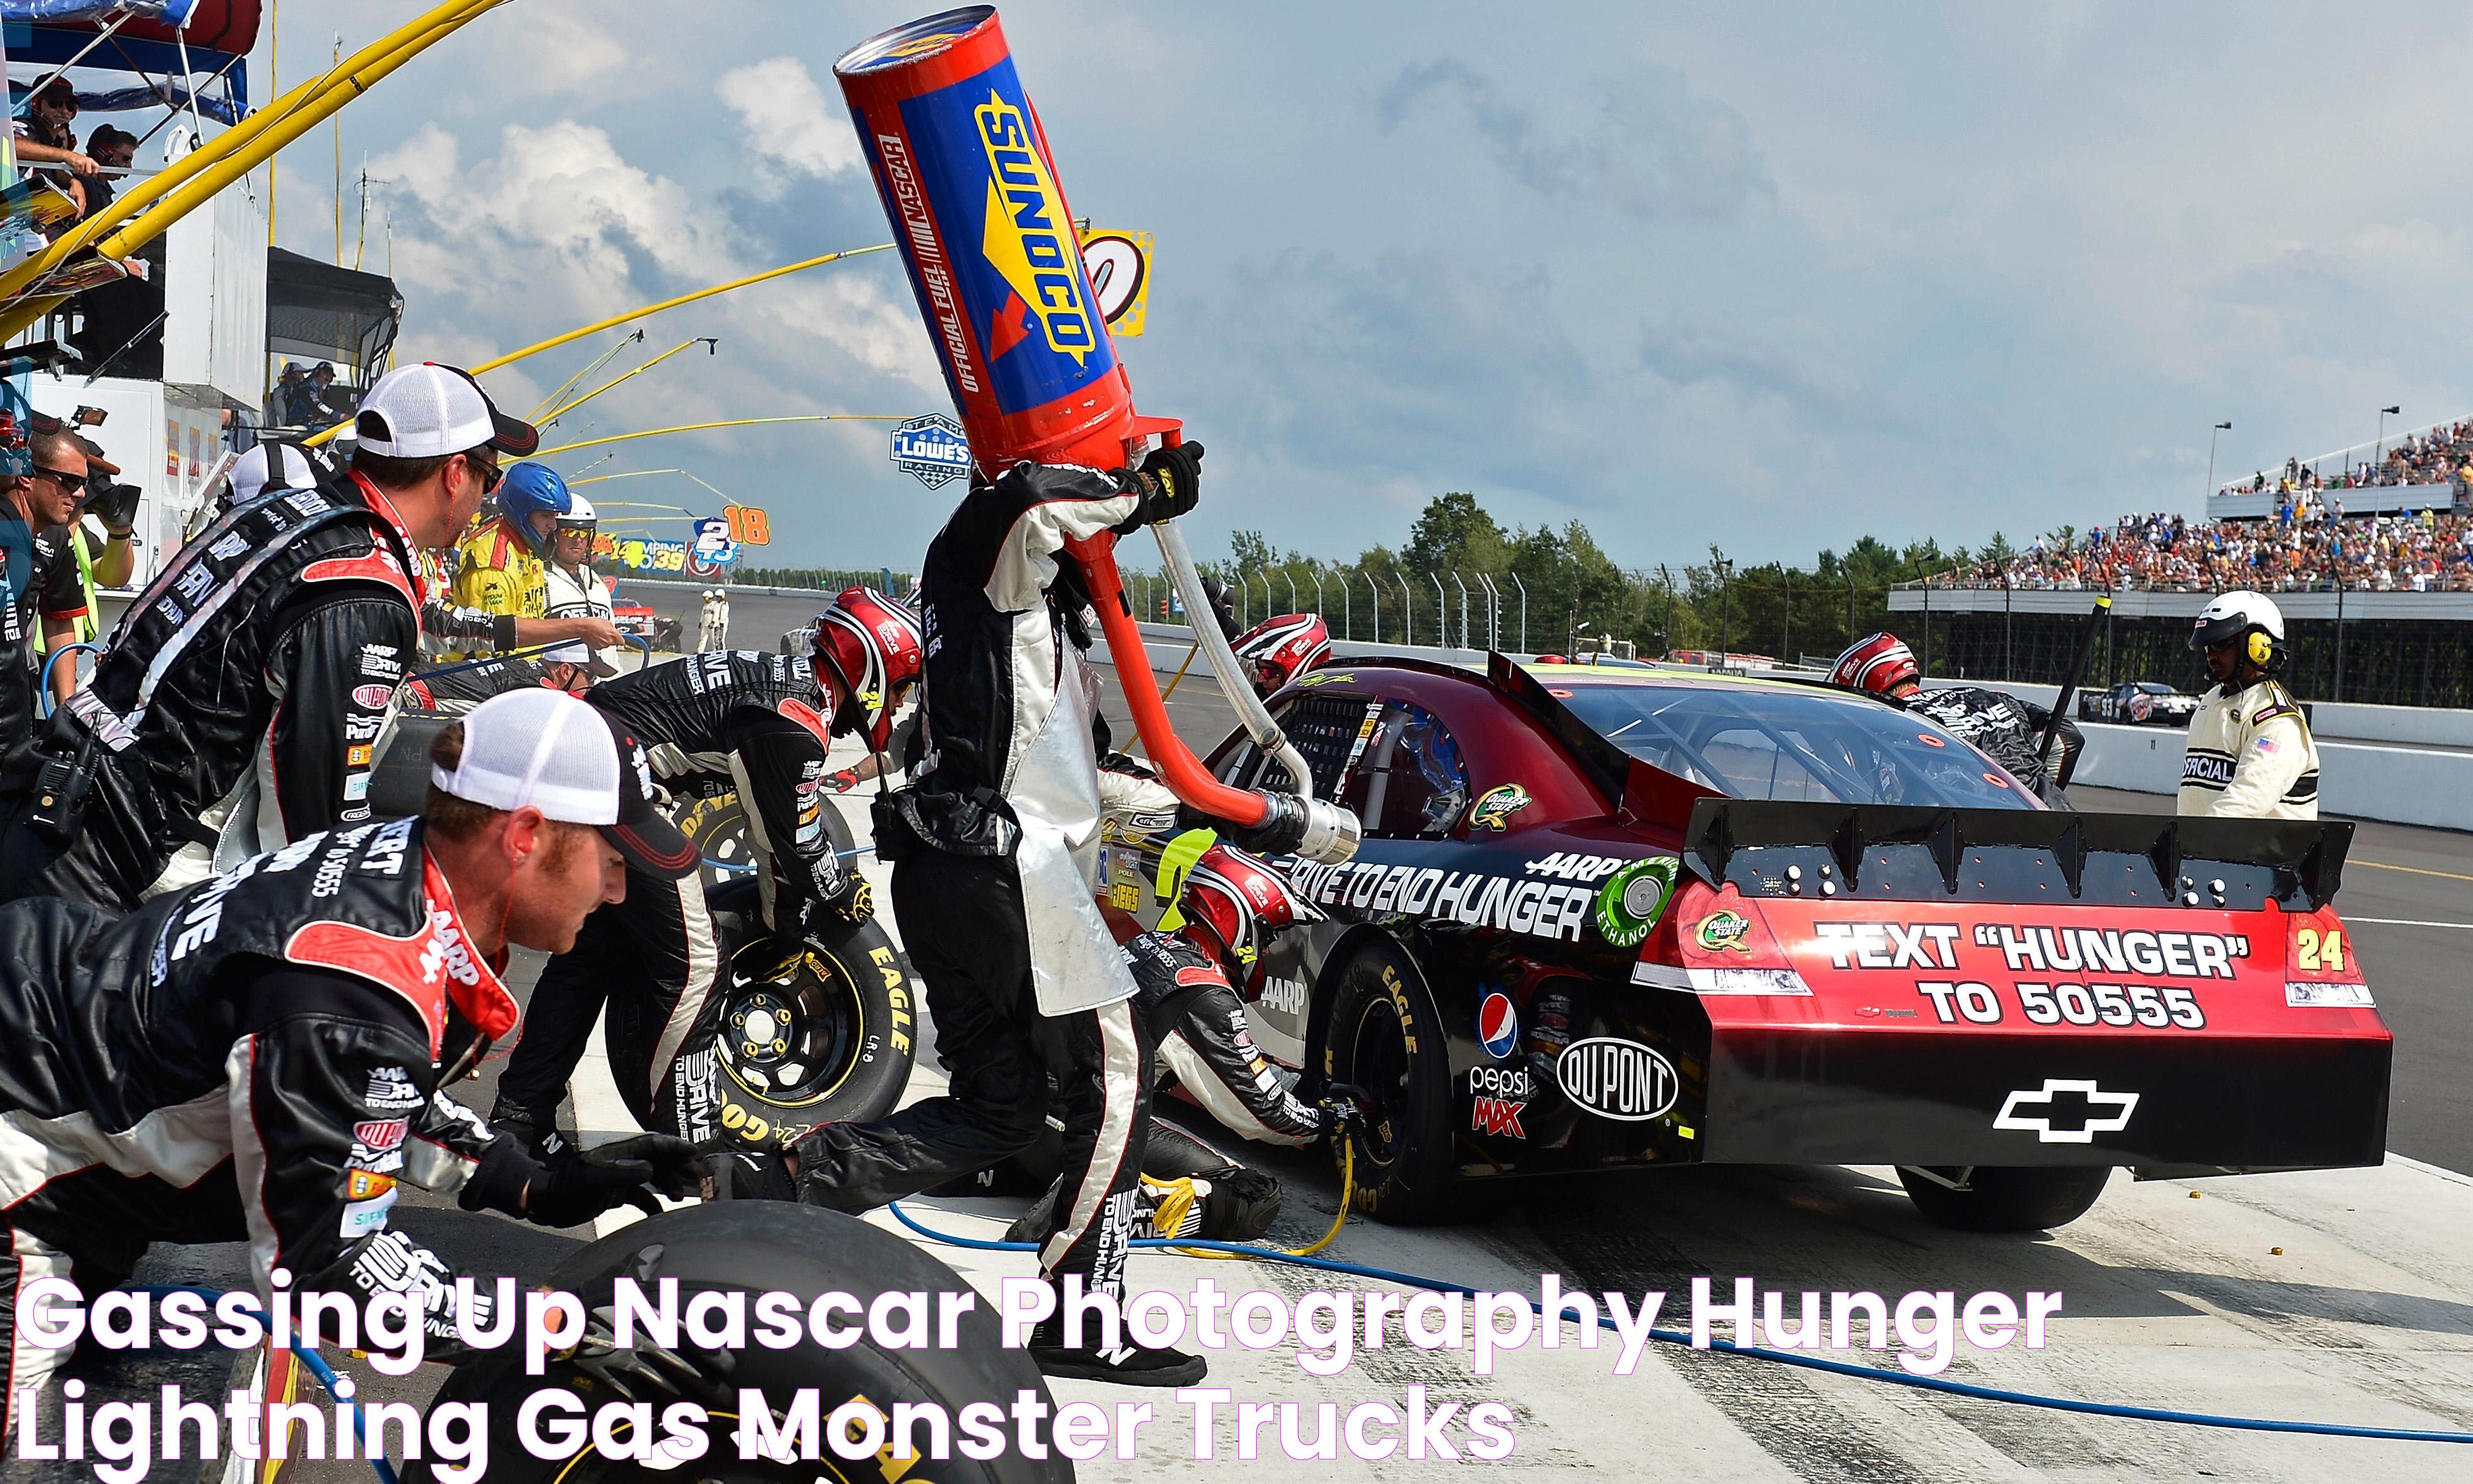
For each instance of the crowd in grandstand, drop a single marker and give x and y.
(2442, 456)
(2302, 548)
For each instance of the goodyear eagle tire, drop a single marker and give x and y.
(753, 1247)
(830, 1040)
(718, 825)
(2009, 1198)
(1385, 1037)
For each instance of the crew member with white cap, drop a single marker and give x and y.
(276, 1073)
(238, 704)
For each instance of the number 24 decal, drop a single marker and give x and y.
(2314, 953)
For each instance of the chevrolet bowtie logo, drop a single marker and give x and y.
(2065, 1111)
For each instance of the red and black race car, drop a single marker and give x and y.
(1637, 918)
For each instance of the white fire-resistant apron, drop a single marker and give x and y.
(1074, 963)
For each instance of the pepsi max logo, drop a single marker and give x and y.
(1497, 1025)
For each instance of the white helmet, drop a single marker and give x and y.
(579, 511)
(2233, 614)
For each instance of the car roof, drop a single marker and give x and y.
(1688, 676)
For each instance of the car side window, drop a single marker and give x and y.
(1411, 781)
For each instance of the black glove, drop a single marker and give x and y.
(627, 1173)
(1171, 479)
(114, 505)
(1343, 1108)
(644, 1370)
(1282, 827)
(1223, 606)
(854, 903)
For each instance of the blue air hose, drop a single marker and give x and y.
(1761, 1353)
(88, 645)
(318, 1366)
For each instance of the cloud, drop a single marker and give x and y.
(788, 125)
(562, 51)
(1651, 148)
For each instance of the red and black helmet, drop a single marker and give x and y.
(1879, 664)
(1278, 650)
(1233, 904)
(871, 647)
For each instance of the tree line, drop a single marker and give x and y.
(1574, 591)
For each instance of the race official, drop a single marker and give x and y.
(575, 589)
(2249, 754)
(263, 1056)
(238, 704)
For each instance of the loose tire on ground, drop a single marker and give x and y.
(753, 1247)
(1387, 1038)
(2009, 1198)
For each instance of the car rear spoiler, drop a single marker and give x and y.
(1901, 852)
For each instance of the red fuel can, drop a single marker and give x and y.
(970, 189)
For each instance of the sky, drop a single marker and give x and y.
(1766, 277)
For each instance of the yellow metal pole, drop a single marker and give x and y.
(614, 321)
(285, 119)
(570, 384)
(339, 163)
(629, 474)
(734, 422)
(273, 69)
(563, 410)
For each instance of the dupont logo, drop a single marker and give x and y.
(372, 698)
(1617, 1079)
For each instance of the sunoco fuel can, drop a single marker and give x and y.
(969, 186)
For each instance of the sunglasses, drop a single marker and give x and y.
(62, 477)
(486, 471)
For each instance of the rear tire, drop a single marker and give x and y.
(2009, 1198)
(753, 1247)
(1387, 1038)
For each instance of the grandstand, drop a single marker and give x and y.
(2418, 469)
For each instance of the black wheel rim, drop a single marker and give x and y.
(1379, 1061)
(795, 1040)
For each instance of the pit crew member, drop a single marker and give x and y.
(260, 1056)
(2249, 754)
(238, 704)
(751, 721)
(41, 598)
(1276, 650)
(2004, 728)
(995, 855)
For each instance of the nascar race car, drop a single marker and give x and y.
(2138, 703)
(1637, 918)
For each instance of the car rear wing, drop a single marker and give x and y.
(1771, 847)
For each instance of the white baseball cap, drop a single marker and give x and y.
(543, 749)
(270, 467)
(429, 411)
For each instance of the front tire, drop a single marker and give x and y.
(2007, 1198)
(1387, 1038)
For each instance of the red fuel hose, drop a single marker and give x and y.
(1183, 772)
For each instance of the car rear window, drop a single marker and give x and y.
(1791, 744)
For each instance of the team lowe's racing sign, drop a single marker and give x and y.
(1924, 1033)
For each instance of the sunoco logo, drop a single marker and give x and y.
(1616, 1079)
(1029, 241)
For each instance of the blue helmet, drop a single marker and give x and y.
(530, 488)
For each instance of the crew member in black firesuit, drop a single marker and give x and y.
(261, 1056)
(238, 704)
(994, 853)
(2004, 728)
(740, 719)
(1189, 977)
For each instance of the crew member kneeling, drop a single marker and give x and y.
(260, 1057)
(2250, 753)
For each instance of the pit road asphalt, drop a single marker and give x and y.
(2330, 1295)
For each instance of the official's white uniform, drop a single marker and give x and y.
(2250, 756)
(578, 592)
